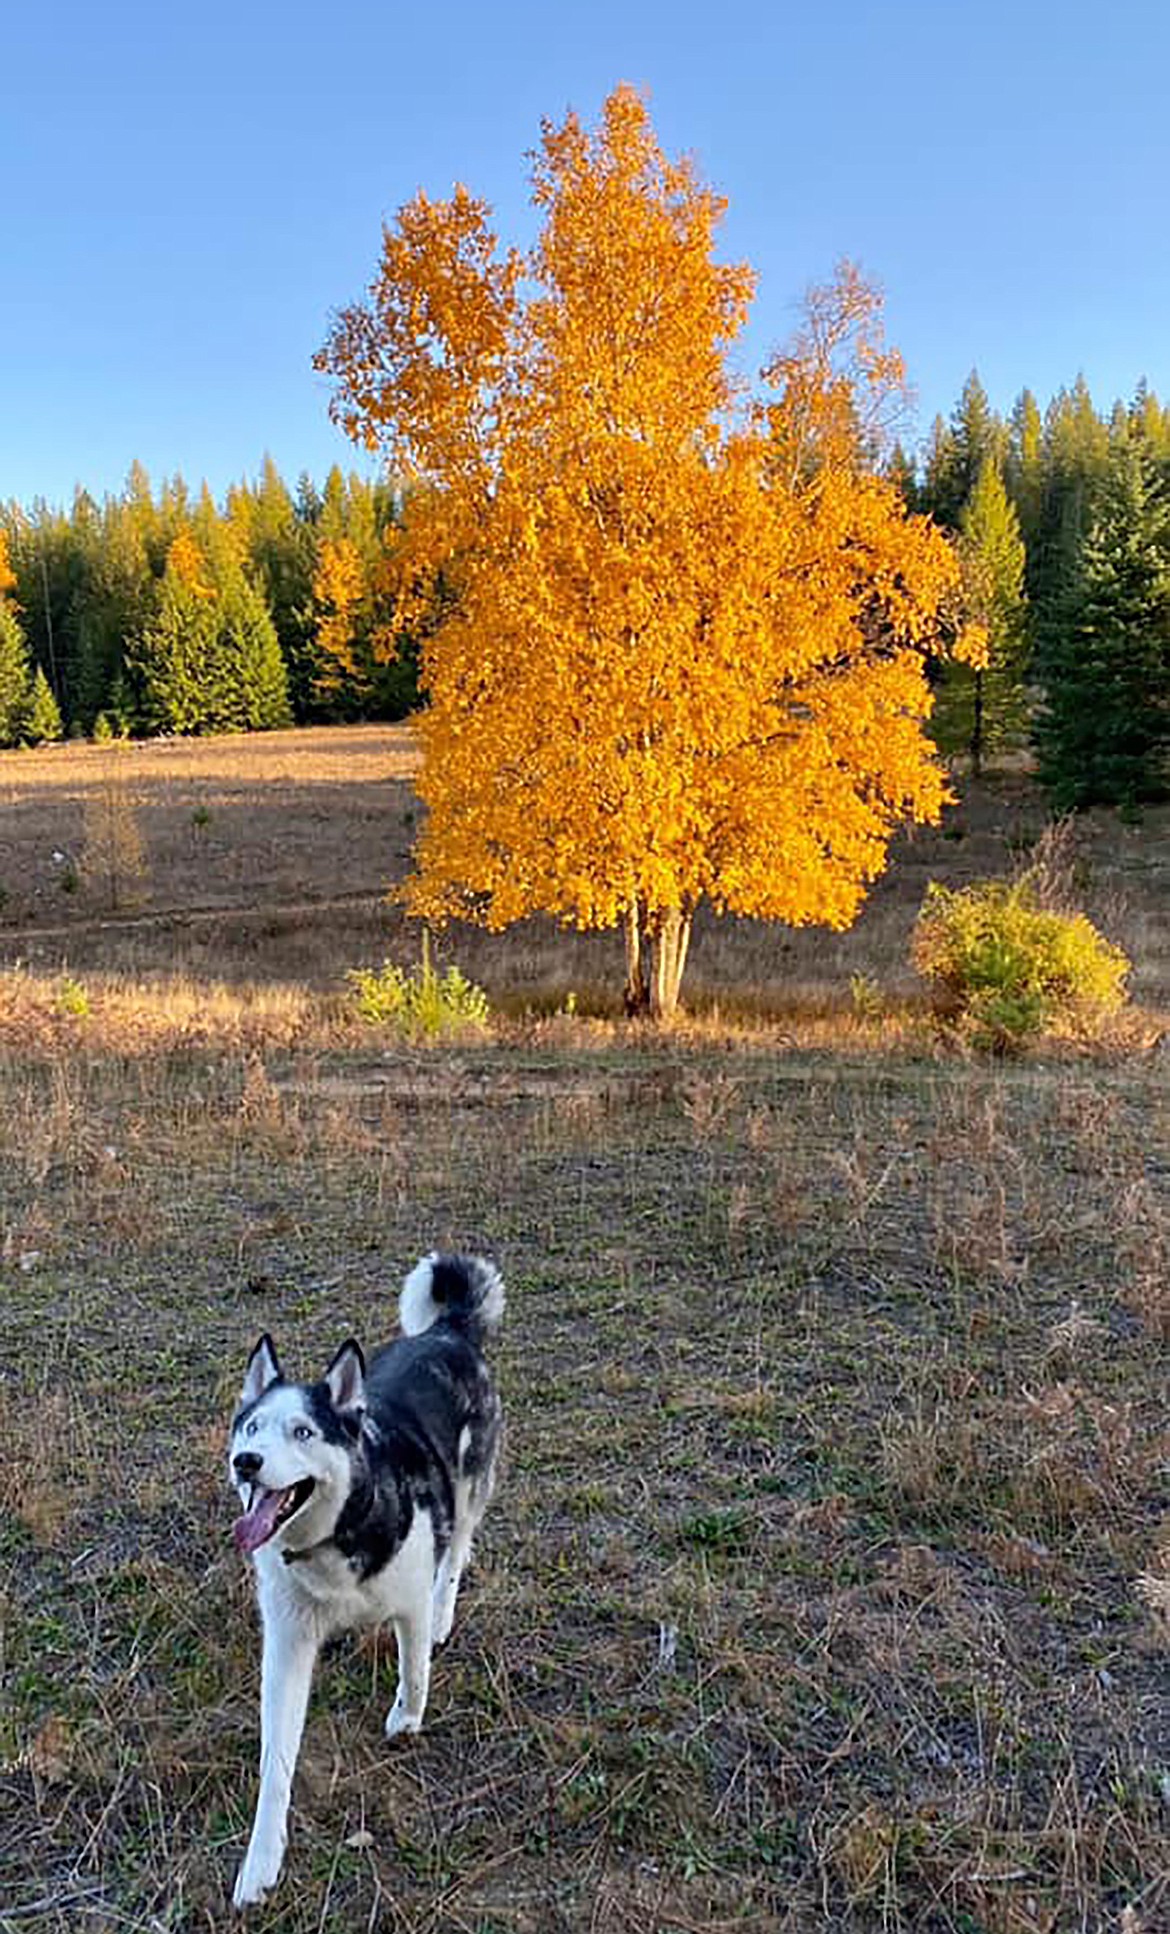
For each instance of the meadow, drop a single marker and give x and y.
(828, 1580)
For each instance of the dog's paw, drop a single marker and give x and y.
(398, 1720)
(444, 1619)
(258, 1875)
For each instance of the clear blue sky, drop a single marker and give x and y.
(187, 192)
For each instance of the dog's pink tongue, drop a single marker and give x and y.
(258, 1524)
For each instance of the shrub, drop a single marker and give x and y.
(422, 1002)
(1005, 967)
(113, 857)
(71, 998)
(866, 998)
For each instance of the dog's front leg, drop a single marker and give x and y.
(286, 1676)
(413, 1630)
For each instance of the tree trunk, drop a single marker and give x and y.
(977, 729)
(671, 940)
(637, 990)
(656, 954)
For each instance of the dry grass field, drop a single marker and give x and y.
(828, 1582)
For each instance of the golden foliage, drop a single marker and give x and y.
(683, 658)
(339, 586)
(188, 564)
(7, 574)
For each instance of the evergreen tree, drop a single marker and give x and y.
(153, 529)
(209, 658)
(1075, 456)
(1024, 466)
(938, 468)
(42, 719)
(174, 509)
(47, 564)
(902, 473)
(174, 650)
(334, 518)
(983, 709)
(249, 669)
(117, 596)
(957, 455)
(1104, 734)
(362, 667)
(1151, 421)
(308, 501)
(15, 679)
(281, 550)
(122, 709)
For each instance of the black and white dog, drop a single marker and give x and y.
(362, 1493)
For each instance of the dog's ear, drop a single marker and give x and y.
(262, 1370)
(346, 1378)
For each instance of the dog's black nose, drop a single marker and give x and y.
(246, 1463)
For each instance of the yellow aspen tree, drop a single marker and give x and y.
(682, 655)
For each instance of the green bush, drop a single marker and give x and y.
(421, 1003)
(1006, 968)
(71, 998)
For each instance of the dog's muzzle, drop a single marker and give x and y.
(268, 1510)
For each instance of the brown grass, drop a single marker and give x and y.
(826, 1586)
(267, 859)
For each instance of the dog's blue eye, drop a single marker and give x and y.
(250, 1428)
(302, 1433)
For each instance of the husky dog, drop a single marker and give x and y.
(361, 1495)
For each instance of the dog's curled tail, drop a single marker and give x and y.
(466, 1292)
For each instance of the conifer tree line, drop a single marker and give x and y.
(159, 611)
(1062, 523)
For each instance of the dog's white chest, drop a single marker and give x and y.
(329, 1585)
